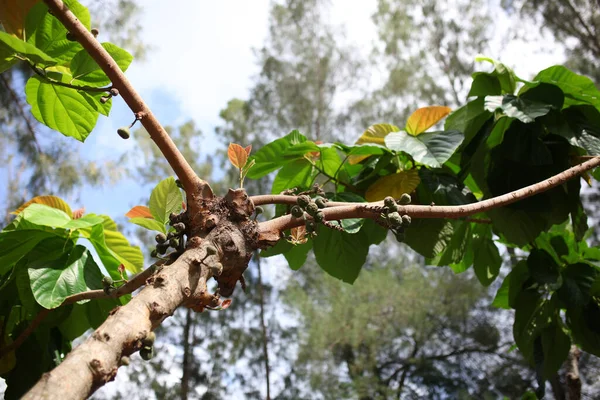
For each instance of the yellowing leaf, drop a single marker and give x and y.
(139, 212)
(424, 118)
(374, 134)
(238, 156)
(12, 15)
(393, 185)
(299, 235)
(50, 201)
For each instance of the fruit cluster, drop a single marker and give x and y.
(396, 222)
(308, 207)
(173, 239)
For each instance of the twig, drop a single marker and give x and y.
(191, 182)
(370, 210)
(133, 284)
(91, 89)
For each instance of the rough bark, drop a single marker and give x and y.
(573, 379)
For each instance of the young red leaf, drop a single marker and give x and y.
(139, 212)
(248, 149)
(78, 213)
(237, 155)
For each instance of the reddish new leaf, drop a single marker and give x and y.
(248, 149)
(78, 213)
(139, 212)
(238, 156)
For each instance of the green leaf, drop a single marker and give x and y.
(85, 69)
(329, 161)
(296, 256)
(150, 224)
(13, 49)
(76, 323)
(505, 75)
(468, 119)
(86, 221)
(64, 277)
(373, 231)
(165, 199)
(113, 248)
(63, 109)
(578, 89)
(484, 84)
(523, 109)
(517, 278)
(41, 214)
(429, 148)
(270, 157)
(584, 128)
(457, 247)
(429, 237)
(532, 315)
(298, 173)
(486, 258)
(556, 345)
(281, 247)
(501, 298)
(584, 327)
(14, 245)
(350, 225)
(48, 34)
(542, 267)
(341, 254)
(577, 283)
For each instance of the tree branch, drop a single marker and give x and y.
(129, 287)
(337, 211)
(191, 182)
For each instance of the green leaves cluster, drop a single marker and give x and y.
(505, 138)
(45, 256)
(74, 109)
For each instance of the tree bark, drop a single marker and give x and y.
(187, 353)
(573, 379)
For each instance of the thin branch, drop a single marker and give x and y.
(90, 89)
(372, 210)
(129, 287)
(265, 338)
(191, 182)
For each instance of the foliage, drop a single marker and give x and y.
(511, 134)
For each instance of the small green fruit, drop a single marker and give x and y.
(310, 226)
(179, 226)
(124, 132)
(319, 216)
(258, 210)
(312, 209)
(321, 202)
(95, 32)
(406, 220)
(147, 354)
(107, 281)
(71, 37)
(404, 199)
(296, 212)
(124, 361)
(389, 202)
(173, 242)
(114, 92)
(162, 248)
(154, 254)
(211, 250)
(109, 290)
(148, 341)
(303, 200)
(394, 219)
(161, 238)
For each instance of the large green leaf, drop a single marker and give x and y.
(350, 225)
(14, 245)
(505, 75)
(556, 345)
(85, 69)
(486, 257)
(523, 109)
(584, 128)
(63, 109)
(577, 282)
(578, 89)
(484, 84)
(341, 254)
(429, 148)
(429, 237)
(43, 215)
(78, 273)
(532, 315)
(298, 173)
(113, 248)
(270, 157)
(149, 223)
(13, 49)
(165, 199)
(457, 247)
(296, 256)
(542, 267)
(48, 34)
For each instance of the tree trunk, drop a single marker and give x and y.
(187, 355)
(573, 379)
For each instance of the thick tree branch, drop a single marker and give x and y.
(95, 361)
(336, 211)
(191, 182)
